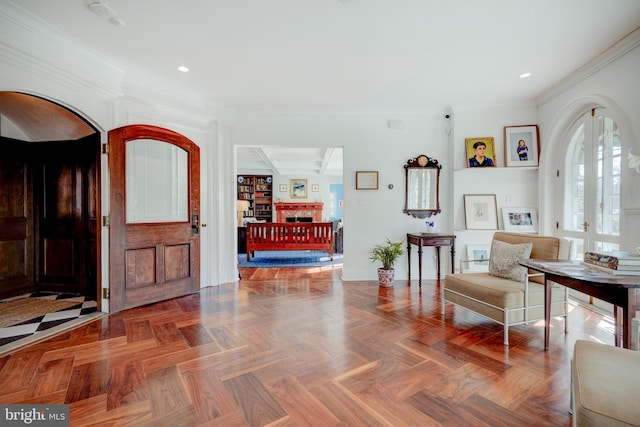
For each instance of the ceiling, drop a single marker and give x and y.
(343, 55)
(304, 161)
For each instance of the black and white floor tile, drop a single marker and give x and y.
(33, 329)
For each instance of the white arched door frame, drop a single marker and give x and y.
(554, 153)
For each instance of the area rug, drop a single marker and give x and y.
(19, 310)
(266, 259)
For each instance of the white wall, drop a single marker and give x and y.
(370, 216)
(512, 186)
(615, 87)
(38, 60)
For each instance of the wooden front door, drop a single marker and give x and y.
(154, 240)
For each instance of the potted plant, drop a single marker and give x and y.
(387, 254)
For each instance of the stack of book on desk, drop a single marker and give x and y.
(615, 262)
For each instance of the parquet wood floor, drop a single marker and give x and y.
(303, 350)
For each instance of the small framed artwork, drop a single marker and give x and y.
(367, 180)
(478, 257)
(298, 188)
(283, 188)
(481, 152)
(480, 212)
(315, 188)
(524, 220)
(521, 146)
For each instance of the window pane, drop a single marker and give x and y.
(157, 182)
(574, 215)
(608, 183)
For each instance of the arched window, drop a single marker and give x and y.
(590, 206)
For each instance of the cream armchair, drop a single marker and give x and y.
(508, 294)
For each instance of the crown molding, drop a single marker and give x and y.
(35, 47)
(618, 50)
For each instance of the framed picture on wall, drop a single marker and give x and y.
(524, 220)
(481, 152)
(521, 145)
(315, 188)
(480, 212)
(366, 180)
(478, 257)
(283, 188)
(298, 188)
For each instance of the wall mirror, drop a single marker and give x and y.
(422, 176)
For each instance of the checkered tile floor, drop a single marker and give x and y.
(41, 324)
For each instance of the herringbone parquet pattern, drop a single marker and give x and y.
(302, 352)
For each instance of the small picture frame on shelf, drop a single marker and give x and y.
(521, 146)
(298, 188)
(477, 257)
(366, 180)
(481, 152)
(480, 211)
(522, 220)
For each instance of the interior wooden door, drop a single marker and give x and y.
(154, 229)
(65, 211)
(16, 221)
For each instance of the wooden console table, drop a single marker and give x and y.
(430, 239)
(617, 290)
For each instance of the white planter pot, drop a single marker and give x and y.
(385, 277)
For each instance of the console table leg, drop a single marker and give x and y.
(438, 261)
(409, 260)
(420, 265)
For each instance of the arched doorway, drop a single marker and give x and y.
(49, 198)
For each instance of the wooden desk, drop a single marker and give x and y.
(430, 239)
(617, 290)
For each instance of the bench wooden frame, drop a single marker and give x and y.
(282, 236)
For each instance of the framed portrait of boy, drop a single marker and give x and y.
(521, 146)
(481, 152)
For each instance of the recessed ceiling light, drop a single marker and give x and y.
(525, 75)
(183, 69)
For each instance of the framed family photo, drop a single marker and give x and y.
(481, 152)
(521, 146)
(298, 188)
(480, 212)
(478, 257)
(523, 220)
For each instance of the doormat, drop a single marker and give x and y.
(20, 310)
(265, 259)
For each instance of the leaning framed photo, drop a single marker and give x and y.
(366, 180)
(478, 257)
(523, 220)
(480, 212)
(298, 188)
(481, 152)
(521, 146)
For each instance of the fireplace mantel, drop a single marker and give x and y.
(286, 210)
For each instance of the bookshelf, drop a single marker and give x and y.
(257, 190)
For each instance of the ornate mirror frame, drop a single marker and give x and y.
(422, 187)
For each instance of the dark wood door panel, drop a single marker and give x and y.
(16, 220)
